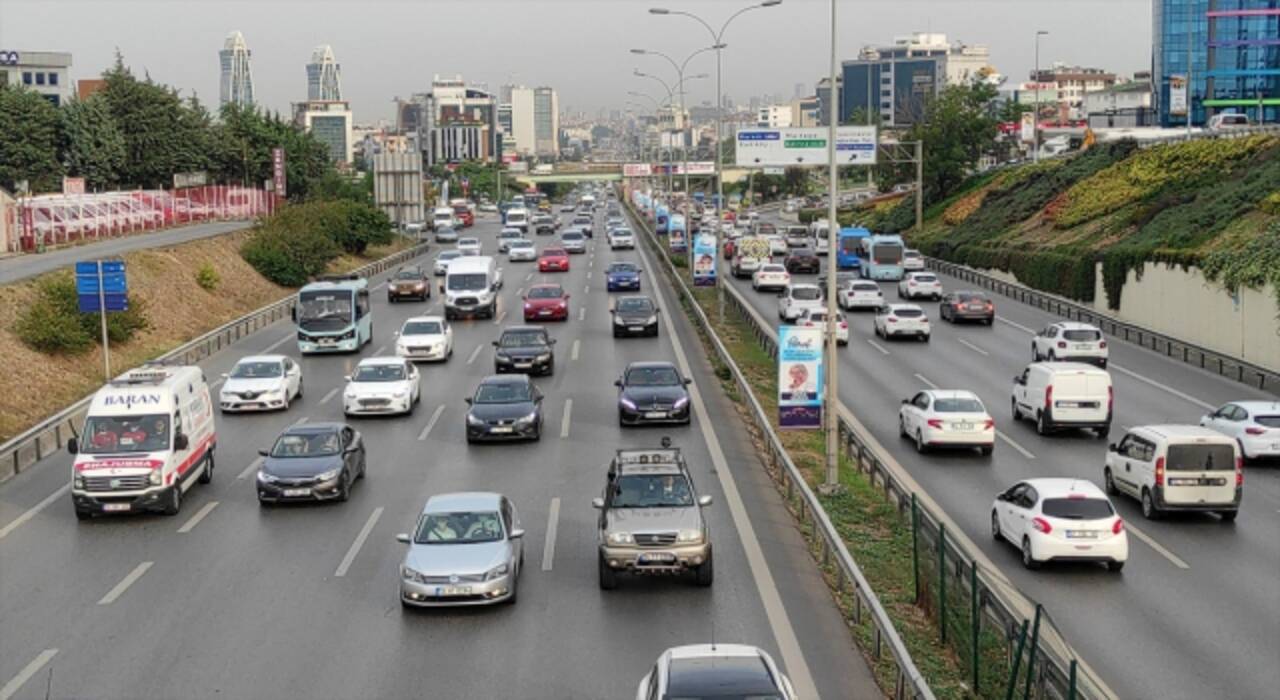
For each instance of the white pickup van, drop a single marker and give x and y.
(148, 438)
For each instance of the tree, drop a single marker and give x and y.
(28, 140)
(243, 141)
(957, 130)
(91, 143)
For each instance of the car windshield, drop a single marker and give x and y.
(379, 373)
(545, 293)
(553, 252)
(866, 287)
(887, 253)
(470, 282)
(117, 434)
(1196, 458)
(652, 491)
(806, 293)
(510, 234)
(449, 255)
(908, 313)
(502, 392)
(772, 268)
(958, 405)
(307, 445)
(652, 376)
(924, 278)
(522, 339)
(622, 267)
(469, 242)
(851, 244)
(324, 310)
(970, 296)
(1077, 508)
(1267, 421)
(634, 305)
(911, 254)
(422, 328)
(571, 236)
(459, 528)
(521, 243)
(802, 253)
(411, 273)
(257, 370)
(1082, 335)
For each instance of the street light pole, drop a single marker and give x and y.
(830, 416)
(1035, 140)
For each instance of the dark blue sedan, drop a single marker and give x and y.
(623, 276)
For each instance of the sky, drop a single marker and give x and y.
(390, 48)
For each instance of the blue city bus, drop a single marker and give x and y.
(849, 248)
(333, 314)
(660, 220)
(883, 260)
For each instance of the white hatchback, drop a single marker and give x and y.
(770, 277)
(1070, 341)
(893, 320)
(381, 385)
(947, 418)
(777, 244)
(1060, 519)
(860, 294)
(1254, 424)
(817, 318)
(521, 249)
(621, 238)
(425, 338)
(920, 284)
(469, 246)
(912, 260)
(261, 383)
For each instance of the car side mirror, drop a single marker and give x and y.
(597, 503)
(704, 500)
(495, 343)
(403, 537)
(906, 401)
(617, 382)
(687, 381)
(1113, 447)
(226, 375)
(180, 442)
(73, 446)
(396, 333)
(516, 533)
(552, 341)
(469, 400)
(1002, 497)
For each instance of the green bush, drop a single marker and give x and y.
(53, 323)
(207, 277)
(1253, 264)
(365, 225)
(287, 256)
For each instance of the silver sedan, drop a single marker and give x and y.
(467, 549)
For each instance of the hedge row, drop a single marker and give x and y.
(298, 242)
(53, 323)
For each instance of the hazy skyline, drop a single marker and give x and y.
(390, 48)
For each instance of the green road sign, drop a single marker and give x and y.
(804, 143)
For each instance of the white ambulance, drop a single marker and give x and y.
(148, 438)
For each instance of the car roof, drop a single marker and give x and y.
(553, 251)
(462, 501)
(261, 358)
(387, 360)
(951, 393)
(1057, 487)
(506, 379)
(1076, 325)
(1174, 430)
(1082, 367)
(804, 285)
(452, 253)
(422, 319)
(542, 285)
(922, 273)
(901, 307)
(525, 329)
(313, 428)
(1254, 407)
(652, 364)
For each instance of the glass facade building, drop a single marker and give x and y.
(1233, 47)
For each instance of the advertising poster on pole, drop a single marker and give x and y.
(1178, 95)
(799, 378)
(1028, 127)
(704, 260)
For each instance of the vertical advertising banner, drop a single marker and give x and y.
(799, 378)
(1178, 95)
(704, 260)
(277, 171)
(1028, 127)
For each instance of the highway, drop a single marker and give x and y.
(1196, 612)
(228, 600)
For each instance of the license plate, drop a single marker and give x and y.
(296, 492)
(442, 591)
(1082, 534)
(656, 414)
(1275, 445)
(1067, 404)
(544, 312)
(636, 329)
(500, 429)
(524, 365)
(657, 558)
(963, 426)
(327, 341)
(1083, 346)
(115, 507)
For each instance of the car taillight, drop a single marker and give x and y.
(1117, 527)
(1048, 397)
(988, 424)
(1111, 399)
(1239, 472)
(891, 319)
(991, 307)
(1254, 431)
(1160, 471)
(844, 325)
(1062, 344)
(1102, 345)
(1042, 525)
(959, 306)
(911, 284)
(935, 423)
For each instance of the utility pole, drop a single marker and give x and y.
(831, 418)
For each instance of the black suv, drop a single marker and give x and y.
(525, 349)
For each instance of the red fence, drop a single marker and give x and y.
(56, 219)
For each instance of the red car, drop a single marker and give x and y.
(464, 215)
(553, 260)
(546, 302)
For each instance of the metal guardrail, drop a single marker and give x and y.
(1220, 363)
(800, 498)
(33, 445)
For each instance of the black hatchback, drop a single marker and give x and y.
(525, 349)
(652, 392)
(311, 462)
(802, 260)
(505, 408)
(634, 315)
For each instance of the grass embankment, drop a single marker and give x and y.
(35, 385)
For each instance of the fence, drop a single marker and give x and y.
(1202, 357)
(50, 435)
(803, 503)
(59, 219)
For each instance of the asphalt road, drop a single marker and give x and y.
(20, 267)
(1196, 612)
(227, 600)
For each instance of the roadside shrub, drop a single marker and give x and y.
(288, 256)
(364, 225)
(53, 323)
(207, 277)
(1270, 204)
(1253, 264)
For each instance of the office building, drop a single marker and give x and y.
(535, 121)
(1126, 104)
(330, 122)
(823, 95)
(456, 122)
(45, 72)
(805, 111)
(798, 91)
(1234, 53)
(236, 83)
(324, 76)
(1061, 88)
(774, 116)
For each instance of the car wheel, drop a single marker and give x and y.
(1028, 560)
(608, 577)
(705, 574)
(1053, 356)
(1108, 483)
(1149, 509)
(902, 427)
(344, 492)
(1228, 516)
(995, 527)
(298, 395)
(1103, 432)
(83, 514)
(174, 503)
(925, 337)
(1042, 423)
(207, 475)
(986, 450)
(1013, 408)
(921, 447)
(1035, 355)
(1115, 566)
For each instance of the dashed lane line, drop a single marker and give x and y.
(564, 424)
(582, 313)
(15, 684)
(576, 344)
(1151, 542)
(973, 347)
(34, 510)
(1009, 441)
(877, 346)
(431, 423)
(474, 353)
(124, 584)
(332, 392)
(549, 547)
(253, 467)
(358, 543)
(277, 344)
(200, 515)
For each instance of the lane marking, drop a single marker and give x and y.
(1158, 385)
(360, 538)
(877, 346)
(576, 344)
(380, 285)
(124, 584)
(277, 344)
(15, 684)
(330, 395)
(582, 313)
(1017, 325)
(1009, 441)
(498, 319)
(586, 289)
(195, 519)
(217, 384)
(473, 354)
(973, 347)
(431, 423)
(253, 467)
(33, 510)
(528, 277)
(549, 547)
(564, 424)
(1173, 558)
(520, 292)
(381, 349)
(926, 381)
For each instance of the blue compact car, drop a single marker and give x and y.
(623, 277)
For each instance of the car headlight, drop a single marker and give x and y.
(620, 538)
(680, 403)
(472, 420)
(627, 403)
(410, 575)
(329, 475)
(497, 572)
(619, 321)
(528, 419)
(349, 395)
(651, 320)
(154, 477)
(400, 394)
(265, 477)
(78, 482)
(544, 357)
(689, 536)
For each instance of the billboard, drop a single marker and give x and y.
(704, 260)
(799, 378)
(1178, 95)
(636, 170)
(73, 185)
(701, 167)
(1028, 127)
(855, 145)
(278, 172)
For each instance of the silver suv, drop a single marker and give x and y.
(651, 518)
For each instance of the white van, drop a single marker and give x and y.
(442, 217)
(517, 218)
(471, 287)
(148, 438)
(1060, 395)
(1177, 467)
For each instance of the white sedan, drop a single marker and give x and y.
(947, 418)
(817, 318)
(1254, 424)
(261, 383)
(912, 260)
(860, 294)
(441, 266)
(1060, 519)
(777, 244)
(770, 277)
(381, 385)
(521, 249)
(920, 284)
(425, 338)
(506, 237)
(469, 246)
(621, 238)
